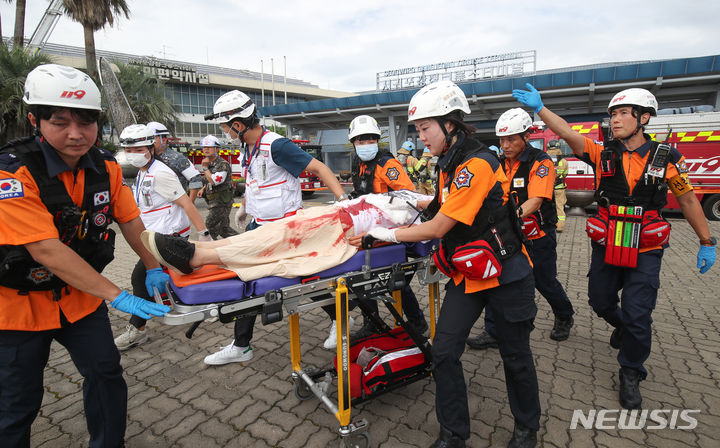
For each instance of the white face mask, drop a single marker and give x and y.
(138, 160)
(367, 152)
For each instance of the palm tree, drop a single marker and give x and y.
(15, 64)
(146, 96)
(93, 15)
(19, 40)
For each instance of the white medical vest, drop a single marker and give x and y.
(156, 212)
(271, 192)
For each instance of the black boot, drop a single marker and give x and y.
(561, 329)
(616, 338)
(523, 437)
(630, 397)
(368, 329)
(482, 342)
(448, 440)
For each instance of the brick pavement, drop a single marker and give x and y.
(175, 400)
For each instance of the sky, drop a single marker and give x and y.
(342, 45)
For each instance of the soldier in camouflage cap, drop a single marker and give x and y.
(217, 189)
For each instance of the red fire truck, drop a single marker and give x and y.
(695, 135)
(309, 182)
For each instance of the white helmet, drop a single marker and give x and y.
(209, 140)
(233, 104)
(136, 135)
(158, 128)
(513, 121)
(363, 124)
(635, 97)
(59, 85)
(436, 100)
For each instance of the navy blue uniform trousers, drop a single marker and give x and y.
(639, 294)
(514, 308)
(544, 258)
(23, 357)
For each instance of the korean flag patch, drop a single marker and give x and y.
(392, 173)
(542, 171)
(463, 178)
(11, 188)
(101, 197)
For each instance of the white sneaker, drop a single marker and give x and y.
(331, 341)
(229, 354)
(130, 338)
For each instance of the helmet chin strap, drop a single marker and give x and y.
(448, 135)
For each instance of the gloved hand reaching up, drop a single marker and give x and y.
(529, 97)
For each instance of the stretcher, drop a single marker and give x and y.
(371, 274)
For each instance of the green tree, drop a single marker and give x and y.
(93, 15)
(146, 96)
(15, 64)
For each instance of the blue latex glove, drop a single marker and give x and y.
(139, 307)
(529, 97)
(706, 258)
(157, 278)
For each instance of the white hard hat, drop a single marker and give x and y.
(363, 124)
(635, 97)
(209, 140)
(233, 104)
(436, 100)
(513, 121)
(59, 85)
(158, 128)
(136, 135)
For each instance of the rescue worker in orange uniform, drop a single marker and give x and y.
(631, 170)
(470, 209)
(532, 176)
(58, 194)
(376, 171)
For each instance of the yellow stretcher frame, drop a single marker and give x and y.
(427, 275)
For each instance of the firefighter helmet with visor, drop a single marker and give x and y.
(231, 105)
(136, 135)
(635, 97)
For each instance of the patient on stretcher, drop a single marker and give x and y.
(310, 241)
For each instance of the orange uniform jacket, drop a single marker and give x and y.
(463, 199)
(541, 181)
(390, 177)
(24, 219)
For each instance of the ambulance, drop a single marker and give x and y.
(695, 135)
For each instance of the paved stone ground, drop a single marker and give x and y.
(175, 400)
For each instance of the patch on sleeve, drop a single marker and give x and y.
(11, 188)
(682, 167)
(463, 178)
(101, 197)
(392, 173)
(542, 171)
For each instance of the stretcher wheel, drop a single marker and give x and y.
(302, 390)
(360, 440)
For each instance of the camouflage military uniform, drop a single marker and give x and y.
(219, 199)
(180, 164)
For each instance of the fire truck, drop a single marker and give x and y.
(309, 182)
(695, 135)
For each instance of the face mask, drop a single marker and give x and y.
(367, 152)
(138, 160)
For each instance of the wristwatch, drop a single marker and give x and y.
(205, 232)
(709, 242)
(343, 197)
